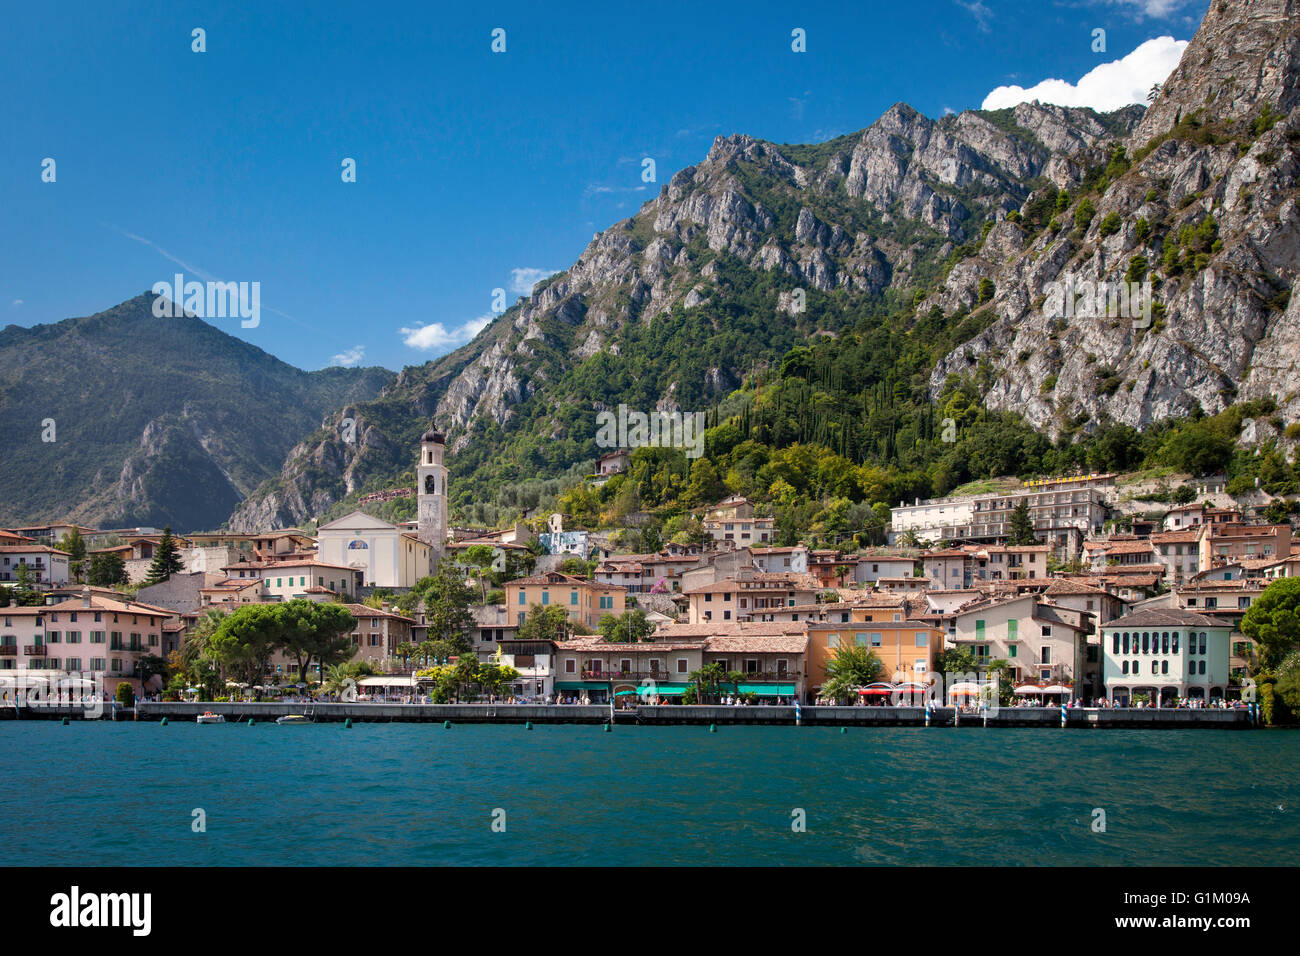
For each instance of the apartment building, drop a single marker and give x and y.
(89, 633)
(48, 566)
(1063, 513)
(752, 597)
(585, 602)
(1041, 641)
(731, 523)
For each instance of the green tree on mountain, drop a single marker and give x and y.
(166, 560)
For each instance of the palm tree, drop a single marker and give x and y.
(708, 679)
(851, 667)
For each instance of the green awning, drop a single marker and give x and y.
(663, 690)
(768, 690)
(581, 685)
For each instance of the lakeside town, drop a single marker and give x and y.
(1102, 609)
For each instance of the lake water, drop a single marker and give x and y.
(380, 794)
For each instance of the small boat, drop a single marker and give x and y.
(208, 717)
(293, 719)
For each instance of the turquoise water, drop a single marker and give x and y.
(416, 794)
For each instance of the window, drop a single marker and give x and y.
(1202, 651)
(979, 630)
(832, 641)
(570, 665)
(1114, 642)
(876, 639)
(1047, 630)
(1154, 666)
(1164, 667)
(1126, 644)
(681, 665)
(1011, 651)
(573, 597)
(860, 640)
(922, 639)
(1173, 644)
(1125, 667)
(1047, 656)
(52, 637)
(1146, 643)
(522, 599)
(546, 597)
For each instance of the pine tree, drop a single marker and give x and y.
(75, 545)
(166, 560)
(1022, 528)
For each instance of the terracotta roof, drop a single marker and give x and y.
(1064, 586)
(1184, 536)
(558, 579)
(1166, 617)
(710, 629)
(1129, 547)
(751, 644)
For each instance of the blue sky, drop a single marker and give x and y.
(475, 170)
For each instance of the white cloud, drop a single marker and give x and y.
(435, 335)
(350, 357)
(523, 280)
(17, 303)
(1149, 8)
(981, 13)
(1106, 87)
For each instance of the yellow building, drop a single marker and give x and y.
(908, 648)
(586, 602)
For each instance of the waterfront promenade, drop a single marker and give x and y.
(940, 717)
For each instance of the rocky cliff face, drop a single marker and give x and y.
(858, 216)
(979, 218)
(1203, 205)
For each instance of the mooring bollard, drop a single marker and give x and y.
(844, 730)
(927, 713)
(161, 723)
(65, 721)
(347, 724)
(446, 725)
(713, 728)
(607, 728)
(250, 721)
(1065, 715)
(528, 725)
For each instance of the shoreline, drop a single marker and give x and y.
(674, 715)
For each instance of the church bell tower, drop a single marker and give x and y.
(431, 492)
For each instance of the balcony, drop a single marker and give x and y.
(628, 675)
(34, 650)
(8, 650)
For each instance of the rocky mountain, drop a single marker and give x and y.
(737, 259)
(1201, 202)
(122, 419)
(969, 225)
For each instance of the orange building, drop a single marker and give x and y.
(585, 601)
(909, 649)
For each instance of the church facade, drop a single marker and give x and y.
(390, 556)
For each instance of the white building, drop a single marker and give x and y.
(388, 556)
(1166, 653)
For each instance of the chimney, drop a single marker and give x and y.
(85, 596)
(386, 607)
